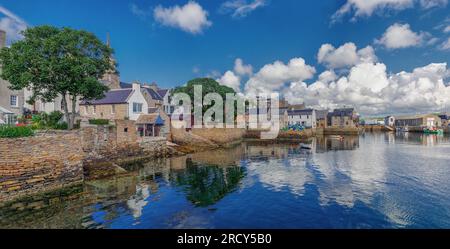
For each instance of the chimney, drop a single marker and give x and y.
(136, 86)
(2, 38)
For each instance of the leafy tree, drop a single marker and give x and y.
(54, 62)
(208, 86)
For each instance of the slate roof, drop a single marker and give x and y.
(118, 96)
(152, 93)
(321, 114)
(162, 92)
(155, 95)
(342, 112)
(300, 112)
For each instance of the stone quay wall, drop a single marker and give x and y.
(57, 159)
(43, 162)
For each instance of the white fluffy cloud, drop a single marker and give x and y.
(345, 56)
(370, 89)
(241, 8)
(231, 80)
(273, 77)
(366, 8)
(241, 69)
(447, 29)
(401, 36)
(428, 4)
(190, 17)
(445, 45)
(12, 24)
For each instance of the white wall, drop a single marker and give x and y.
(136, 97)
(306, 120)
(48, 107)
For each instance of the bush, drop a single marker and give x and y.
(99, 121)
(61, 126)
(48, 121)
(15, 131)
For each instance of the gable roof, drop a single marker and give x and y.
(162, 92)
(117, 96)
(152, 93)
(149, 90)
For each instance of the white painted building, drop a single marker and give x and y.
(306, 118)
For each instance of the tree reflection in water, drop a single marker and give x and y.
(205, 185)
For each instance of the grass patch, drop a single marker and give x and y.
(99, 121)
(13, 131)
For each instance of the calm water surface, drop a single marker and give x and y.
(372, 181)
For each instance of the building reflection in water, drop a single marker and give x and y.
(329, 143)
(419, 138)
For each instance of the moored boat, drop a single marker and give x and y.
(433, 130)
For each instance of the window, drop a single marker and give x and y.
(94, 109)
(14, 101)
(137, 107)
(113, 109)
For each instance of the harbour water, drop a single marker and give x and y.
(379, 180)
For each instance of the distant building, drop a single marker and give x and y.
(126, 103)
(445, 119)
(424, 120)
(372, 122)
(167, 105)
(322, 118)
(283, 117)
(11, 102)
(305, 117)
(345, 117)
(297, 107)
(389, 121)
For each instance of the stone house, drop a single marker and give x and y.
(11, 101)
(283, 117)
(322, 118)
(305, 117)
(344, 118)
(127, 103)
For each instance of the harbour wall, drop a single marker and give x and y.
(43, 162)
(56, 159)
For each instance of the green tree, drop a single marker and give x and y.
(54, 62)
(208, 86)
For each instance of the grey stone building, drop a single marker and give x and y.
(11, 102)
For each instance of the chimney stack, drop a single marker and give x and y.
(136, 86)
(2, 38)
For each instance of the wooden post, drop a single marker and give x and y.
(153, 126)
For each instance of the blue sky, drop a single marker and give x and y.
(155, 41)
